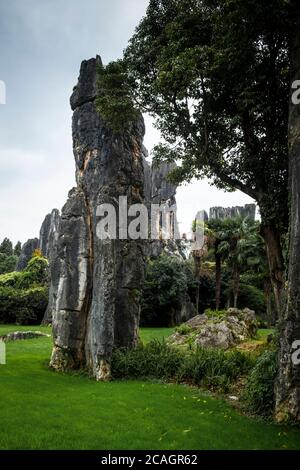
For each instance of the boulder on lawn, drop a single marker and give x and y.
(218, 330)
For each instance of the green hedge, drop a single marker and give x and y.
(24, 295)
(23, 306)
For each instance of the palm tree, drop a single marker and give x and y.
(239, 240)
(214, 233)
(258, 264)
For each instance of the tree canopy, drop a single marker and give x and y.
(214, 74)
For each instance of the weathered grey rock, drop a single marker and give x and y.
(147, 178)
(197, 321)
(227, 212)
(49, 233)
(96, 283)
(86, 89)
(186, 311)
(46, 242)
(162, 190)
(158, 190)
(26, 253)
(217, 331)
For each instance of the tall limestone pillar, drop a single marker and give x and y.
(97, 282)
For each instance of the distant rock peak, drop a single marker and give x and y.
(248, 210)
(86, 89)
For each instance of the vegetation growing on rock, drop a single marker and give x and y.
(220, 329)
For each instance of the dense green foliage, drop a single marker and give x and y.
(253, 298)
(24, 295)
(165, 289)
(35, 274)
(7, 263)
(169, 283)
(8, 255)
(6, 247)
(114, 99)
(211, 368)
(18, 249)
(215, 76)
(259, 392)
(241, 265)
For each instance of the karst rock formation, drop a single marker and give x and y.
(159, 191)
(46, 242)
(96, 282)
(26, 253)
(248, 210)
(49, 234)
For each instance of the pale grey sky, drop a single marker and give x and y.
(42, 44)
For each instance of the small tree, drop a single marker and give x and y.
(7, 263)
(214, 74)
(239, 240)
(6, 247)
(18, 249)
(214, 234)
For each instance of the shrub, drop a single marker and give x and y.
(210, 313)
(35, 274)
(154, 360)
(214, 368)
(169, 283)
(183, 329)
(23, 306)
(207, 291)
(253, 298)
(24, 295)
(164, 290)
(7, 263)
(258, 394)
(210, 368)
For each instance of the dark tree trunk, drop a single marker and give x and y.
(288, 382)
(197, 254)
(271, 236)
(236, 286)
(218, 260)
(268, 297)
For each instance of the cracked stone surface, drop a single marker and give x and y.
(96, 283)
(26, 253)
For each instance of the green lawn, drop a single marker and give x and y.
(4, 329)
(263, 333)
(42, 409)
(147, 334)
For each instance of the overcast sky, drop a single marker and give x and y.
(42, 44)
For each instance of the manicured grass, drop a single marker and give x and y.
(148, 334)
(264, 332)
(4, 329)
(42, 409)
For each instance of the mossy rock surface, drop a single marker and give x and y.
(225, 330)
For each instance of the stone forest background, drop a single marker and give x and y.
(201, 344)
